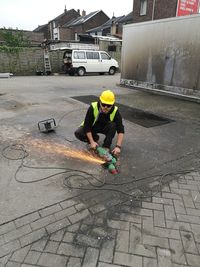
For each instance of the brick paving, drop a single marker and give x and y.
(162, 230)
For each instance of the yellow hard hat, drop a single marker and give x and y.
(107, 97)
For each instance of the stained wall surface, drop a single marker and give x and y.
(163, 54)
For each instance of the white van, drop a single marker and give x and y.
(86, 61)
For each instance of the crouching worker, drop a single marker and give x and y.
(102, 117)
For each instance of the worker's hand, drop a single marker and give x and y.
(116, 151)
(93, 145)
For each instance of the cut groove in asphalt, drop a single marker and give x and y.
(134, 115)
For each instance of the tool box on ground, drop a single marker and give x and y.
(46, 126)
(110, 160)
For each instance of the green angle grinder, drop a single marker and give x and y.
(110, 160)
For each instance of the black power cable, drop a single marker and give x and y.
(74, 173)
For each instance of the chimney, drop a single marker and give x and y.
(65, 10)
(83, 13)
(78, 10)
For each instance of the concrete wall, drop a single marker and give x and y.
(163, 54)
(28, 61)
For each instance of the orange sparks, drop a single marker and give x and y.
(65, 151)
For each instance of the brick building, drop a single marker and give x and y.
(144, 10)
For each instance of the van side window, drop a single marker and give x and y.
(79, 54)
(105, 56)
(92, 55)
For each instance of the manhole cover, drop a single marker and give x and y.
(134, 115)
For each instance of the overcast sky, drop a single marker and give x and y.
(28, 14)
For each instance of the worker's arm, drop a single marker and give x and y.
(93, 144)
(117, 149)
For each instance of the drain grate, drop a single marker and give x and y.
(134, 115)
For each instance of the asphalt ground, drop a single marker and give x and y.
(44, 190)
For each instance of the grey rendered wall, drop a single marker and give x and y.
(163, 54)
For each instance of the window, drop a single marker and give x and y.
(112, 48)
(143, 7)
(92, 55)
(105, 56)
(79, 55)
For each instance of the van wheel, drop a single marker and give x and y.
(112, 71)
(81, 71)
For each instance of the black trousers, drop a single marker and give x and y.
(108, 130)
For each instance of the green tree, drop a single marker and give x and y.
(14, 40)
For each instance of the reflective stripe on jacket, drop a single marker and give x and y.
(96, 113)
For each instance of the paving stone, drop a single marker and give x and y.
(107, 251)
(40, 244)
(50, 210)
(103, 264)
(9, 247)
(121, 225)
(160, 200)
(195, 196)
(177, 251)
(57, 236)
(147, 262)
(147, 225)
(17, 233)
(74, 262)
(64, 213)
(171, 196)
(196, 231)
(188, 242)
(164, 257)
(195, 212)
(179, 206)
(68, 237)
(42, 222)
(91, 257)
(193, 260)
(152, 206)
(51, 246)
(68, 203)
(178, 225)
(127, 259)
(122, 241)
(79, 216)
(13, 264)
(155, 241)
(5, 228)
(164, 232)
(188, 201)
(188, 218)
(32, 237)
(19, 255)
(27, 219)
(143, 250)
(53, 227)
(169, 212)
(71, 250)
(135, 237)
(52, 260)
(130, 218)
(159, 218)
(32, 257)
(86, 240)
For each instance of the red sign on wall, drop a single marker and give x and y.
(187, 7)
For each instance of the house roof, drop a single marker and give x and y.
(40, 28)
(81, 20)
(107, 24)
(127, 19)
(66, 12)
